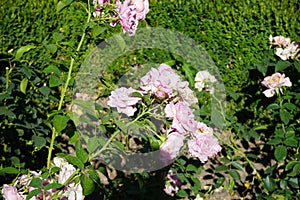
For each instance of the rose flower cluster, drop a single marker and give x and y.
(165, 85)
(285, 49)
(127, 13)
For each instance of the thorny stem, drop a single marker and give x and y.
(63, 92)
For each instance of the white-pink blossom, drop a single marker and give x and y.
(203, 145)
(142, 8)
(161, 80)
(279, 41)
(173, 183)
(182, 115)
(291, 51)
(204, 79)
(185, 93)
(169, 150)
(122, 100)
(275, 82)
(11, 193)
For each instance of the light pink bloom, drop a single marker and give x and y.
(163, 79)
(203, 145)
(173, 183)
(279, 41)
(66, 169)
(204, 78)
(142, 8)
(99, 4)
(290, 51)
(171, 147)
(128, 16)
(74, 192)
(122, 100)
(11, 193)
(274, 83)
(185, 93)
(182, 115)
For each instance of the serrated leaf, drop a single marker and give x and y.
(274, 141)
(136, 94)
(221, 168)
(97, 30)
(261, 68)
(182, 193)
(36, 183)
(62, 4)
(280, 153)
(291, 164)
(94, 143)
(269, 183)
(187, 68)
(75, 161)
(281, 65)
(219, 182)
(297, 65)
(23, 85)
(94, 176)
(273, 106)
(191, 168)
(57, 37)
(235, 175)
(60, 122)
(45, 90)
(237, 165)
(51, 47)
(23, 50)
(52, 69)
(82, 155)
(9, 170)
(290, 106)
(87, 184)
(53, 186)
(120, 41)
(33, 193)
(296, 169)
(292, 142)
(38, 141)
(54, 81)
(284, 116)
(294, 182)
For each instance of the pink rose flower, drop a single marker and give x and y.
(161, 80)
(173, 183)
(128, 16)
(291, 51)
(204, 79)
(185, 93)
(171, 147)
(274, 83)
(11, 193)
(182, 115)
(121, 99)
(203, 143)
(142, 8)
(279, 41)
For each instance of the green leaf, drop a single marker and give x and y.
(237, 165)
(54, 81)
(297, 65)
(9, 170)
(75, 161)
(191, 168)
(292, 142)
(122, 126)
(273, 106)
(51, 47)
(219, 182)
(94, 143)
(94, 176)
(62, 4)
(136, 94)
(296, 169)
(45, 90)
(33, 193)
(274, 141)
(235, 175)
(82, 155)
(291, 164)
(23, 85)
(290, 106)
(221, 168)
(36, 183)
(182, 193)
(120, 41)
(57, 37)
(52, 69)
(23, 50)
(294, 182)
(53, 186)
(284, 116)
(280, 153)
(261, 68)
(60, 122)
(97, 30)
(187, 68)
(281, 65)
(269, 183)
(88, 185)
(38, 141)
